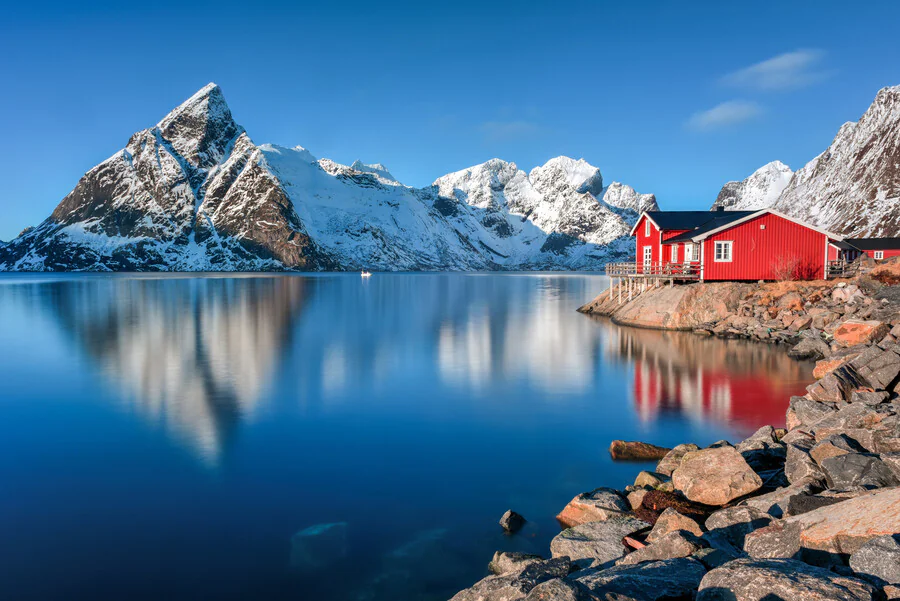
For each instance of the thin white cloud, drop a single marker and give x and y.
(499, 131)
(723, 115)
(790, 70)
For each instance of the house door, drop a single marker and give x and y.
(688, 253)
(648, 258)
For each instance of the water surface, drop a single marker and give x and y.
(163, 437)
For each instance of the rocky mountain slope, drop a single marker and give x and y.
(852, 188)
(194, 193)
(758, 191)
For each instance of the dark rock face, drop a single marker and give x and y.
(560, 590)
(515, 585)
(856, 469)
(878, 560)
(597, 544)
(735, 523)
(505, 562)
(670, 580)
(673, 545)
(771, 579)
(763, 450)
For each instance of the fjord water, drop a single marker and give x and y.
(163, 437)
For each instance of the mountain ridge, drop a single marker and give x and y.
(195, 193)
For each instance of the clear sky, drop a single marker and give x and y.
(673, 98)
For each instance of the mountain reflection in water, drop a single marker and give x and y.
(178, 431)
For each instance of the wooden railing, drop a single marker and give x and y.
(842, 269)
(655, 269)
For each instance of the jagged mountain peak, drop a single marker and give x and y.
(580, 174)
(623, 196)
(760, 190)
(375, 169)
(201, 128)
(853, 188)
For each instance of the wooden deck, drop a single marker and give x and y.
(634, 278)
(664, 271)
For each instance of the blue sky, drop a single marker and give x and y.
(671, 98)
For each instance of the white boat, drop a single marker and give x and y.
(365, 274)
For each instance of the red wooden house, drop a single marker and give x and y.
(732, 245)
(875, 248)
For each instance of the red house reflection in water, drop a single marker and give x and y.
(736, 382)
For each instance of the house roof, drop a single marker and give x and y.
(690, 220)
(843, 245)
(875, 243)
(705, 223)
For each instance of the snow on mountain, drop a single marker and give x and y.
(622, 196)
(195, 193)
(853, 187)
(758, 191)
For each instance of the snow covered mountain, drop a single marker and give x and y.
(194, 193)
(853, 187)
(758, 191)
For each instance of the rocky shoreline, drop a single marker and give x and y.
(806, 512)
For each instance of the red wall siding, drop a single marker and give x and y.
(652, 240)
(887, 253)
(833, 253)
(756, 252)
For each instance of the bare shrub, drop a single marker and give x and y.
(785, 268)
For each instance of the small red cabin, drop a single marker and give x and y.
(733, 245)
(875, 248)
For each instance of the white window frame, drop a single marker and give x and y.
(725, 244)
(879, 255)
(648, 260)
(646, 227)
(674, 253)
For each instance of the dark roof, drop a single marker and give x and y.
(843, 245)
(698, 222)
(688, 220)
(874, 243)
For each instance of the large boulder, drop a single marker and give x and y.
(804, 412)
(779, 579)
(834, 445)
(623, 450)
(598, 505)
(515, 585)
(856, 331)
(810, 348)
(715, 476)
(763, 450)
(506, 562)
(776, 503)
(673, 458)
(668, 580)
(735, 523)
(596, 543)
(828, 535)
(559, 589)
(878, 560)
(800, 467)
(679, 543)
(670, 521)
(857, 469)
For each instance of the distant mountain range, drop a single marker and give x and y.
(852, 188)
(194, 193)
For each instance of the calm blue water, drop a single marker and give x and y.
(163, 437)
